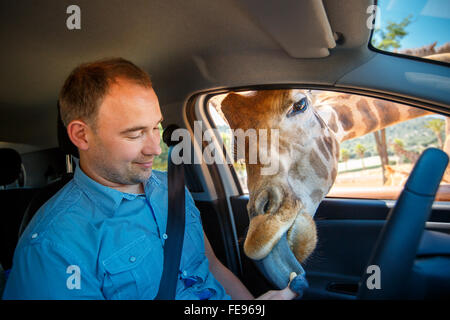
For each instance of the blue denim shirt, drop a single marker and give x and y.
(93, 242)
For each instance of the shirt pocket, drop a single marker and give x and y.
(126, 271)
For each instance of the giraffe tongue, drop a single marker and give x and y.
(279, 264)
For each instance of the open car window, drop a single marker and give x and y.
(160, 162)
(415, 28)
(375, 165)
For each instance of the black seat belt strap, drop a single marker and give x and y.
(175, 224)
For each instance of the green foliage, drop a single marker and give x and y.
(160, 162)
(345, 155)
(360, 150)
(391, 35)
(411, 133)
(399, 142)
(436, 125)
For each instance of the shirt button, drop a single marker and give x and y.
(132, 259)
(165, 236)
(34, 235)
(184, 273)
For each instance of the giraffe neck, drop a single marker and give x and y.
(410, 155)
(351, 116)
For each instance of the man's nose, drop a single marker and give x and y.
(152, 145)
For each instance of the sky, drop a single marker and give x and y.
(430, 22)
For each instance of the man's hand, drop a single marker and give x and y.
(287, 293)
(238, 291)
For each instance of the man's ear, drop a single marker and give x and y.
(77, 131)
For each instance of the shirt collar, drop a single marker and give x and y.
(152, 183)
(111, 198)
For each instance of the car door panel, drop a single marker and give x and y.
(347, 232)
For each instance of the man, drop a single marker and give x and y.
(102, 235)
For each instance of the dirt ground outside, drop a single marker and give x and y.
(373, 177)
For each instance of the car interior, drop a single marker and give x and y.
(194, 51)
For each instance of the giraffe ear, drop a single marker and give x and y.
(230, 106)
(229, 110)
(231, 99)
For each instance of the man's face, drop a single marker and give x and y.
(126, 136)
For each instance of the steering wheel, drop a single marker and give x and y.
(396, 247)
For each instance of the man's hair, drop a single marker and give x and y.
(84, 89)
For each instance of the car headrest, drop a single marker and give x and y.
(63, 139)
(10, 166)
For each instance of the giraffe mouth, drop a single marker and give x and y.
(279, 264)
(268, 237)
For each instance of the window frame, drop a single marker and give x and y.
(400, 55)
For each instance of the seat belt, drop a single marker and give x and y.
(173, 245)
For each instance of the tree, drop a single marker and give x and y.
(446, 148)
(391, 35)
(160, 162)
(399, 150)
(380, 139)
(360, 151)
(345, 155)
(390, 38)
(437, 126)
(399, 142)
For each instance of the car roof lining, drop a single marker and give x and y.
(186, 46)
(301, 28)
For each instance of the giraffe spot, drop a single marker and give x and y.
(367, 116)
(319, 167)
(323, 148)
(332, 123)
(387, 112)
(345, 117)
(316, 195)
(329, 144)
(333, 174)
(296, 174)
(336, 148)
(283, 146)
(416, 112)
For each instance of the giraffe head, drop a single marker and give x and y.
(285, 201)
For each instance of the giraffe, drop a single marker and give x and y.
(311, 128)
(428, 51)
(395, 177)
(410, 155)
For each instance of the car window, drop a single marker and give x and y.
(160, 162)
(414, 28)
(373, 165)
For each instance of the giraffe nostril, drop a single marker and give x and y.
(266, 206)
(268, 201)
(262, 202)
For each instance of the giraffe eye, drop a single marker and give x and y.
(298, 107)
